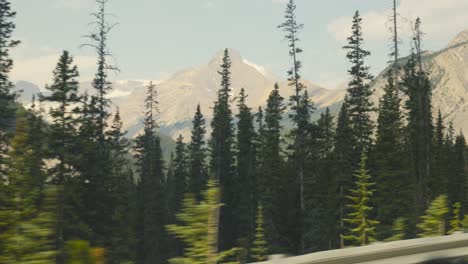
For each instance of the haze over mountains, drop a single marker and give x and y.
(180, 94)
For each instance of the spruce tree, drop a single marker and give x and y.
(272, 182)
(390, 161)
(246, 152)
(7, 111)
(438, 183)
(31, 231)
(435, 220)
(64, 94)
(342, 181)
(359, 91)
(7, 26)
(457, 172)
(198, 229)
(198, 174)
(361, 224)
(259, 249)
(151, 236)
(222, 157)
(121, 237)
(301, 107)
(98, 41)
(417, 88)
(177, 179)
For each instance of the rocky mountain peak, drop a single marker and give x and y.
(460, 39)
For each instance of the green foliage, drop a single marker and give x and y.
(398, 230)
(434, 221)
(259, 249)
(456, 223)
(198, 229)
(361, 225)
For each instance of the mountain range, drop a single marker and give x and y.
(180, 94)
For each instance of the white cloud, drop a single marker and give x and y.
(441, 19)
(280, 1)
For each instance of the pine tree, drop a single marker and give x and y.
(197, 156)
(434, 221)
(246, 152)
(417, 87)
(63, 93)
(259, 249)
(222, 157)
(361, 224)
(342, 180)
(359, 91)
(390, 161)
(199, 237)
(151, 235)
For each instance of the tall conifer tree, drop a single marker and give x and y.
(152, 238)
(359, 91)
(198, 174)
(222, 157)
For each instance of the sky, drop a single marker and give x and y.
(156, 38)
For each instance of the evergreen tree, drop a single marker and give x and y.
(272, 182)
(30, 234)
(259, 249)
(359, 91)
(439, 181)
(222, 157)
(99, 42)
(7, 111)
(434, 221)
(342, 180)
(121, 237)
(456, 223)
(302, 107)
(177, 179)
(63, 93)
(7, 26)
(361, 224)
(199, 237)
(197, 156)
(327, 134)
(457, 172)
(390, 161)
(417, 87)
(246, 200)
(398, 230)
(151, 236)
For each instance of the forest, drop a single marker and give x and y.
(74, 189)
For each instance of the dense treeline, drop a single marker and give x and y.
(69, 193)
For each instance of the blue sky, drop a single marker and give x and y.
(155, 38)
